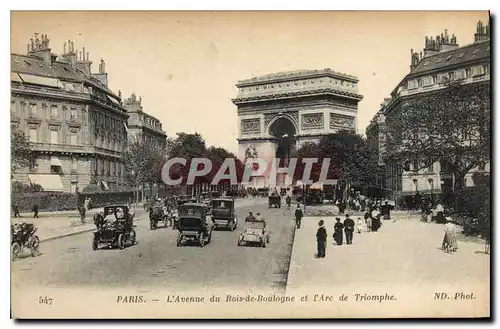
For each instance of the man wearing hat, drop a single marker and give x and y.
(298, 216)
(348, 228)
(321, 240)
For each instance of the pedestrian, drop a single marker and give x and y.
(298, 216)
(321, 240)
(368, 220)
(348, 228)
(82, 213)
(86, 203)
(359, 225)
(439, 213)
(338, 236)
(376, 222)
(288, 201)
(16, 210)
(35, 211)
(450, 240)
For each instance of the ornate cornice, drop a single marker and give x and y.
(295, 94)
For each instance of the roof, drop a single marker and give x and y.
(194, 204)
(455, 57)
(60, 70)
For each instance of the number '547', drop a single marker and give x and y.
(44, 300)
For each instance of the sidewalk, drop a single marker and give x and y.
(405, 251)
(59, 227)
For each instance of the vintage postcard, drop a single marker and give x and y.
(194, 165)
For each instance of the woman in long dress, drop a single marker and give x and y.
(450, 239)
(338, 232)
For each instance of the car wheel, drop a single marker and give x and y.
(95, 244)
(35, 246)
(132, 237)
(15, 251)
(201, 239)
(121, 242)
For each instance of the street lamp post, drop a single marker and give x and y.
(134, 187)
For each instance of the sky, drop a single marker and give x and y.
(185, 65)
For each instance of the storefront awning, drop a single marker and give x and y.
(49, 182)
(54, 161)
(37, 80)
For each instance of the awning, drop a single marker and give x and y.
(104, 185)
(15, 77)
(54, 161)
(37, 80)
(49, 182)
(125, 125)
(114, 100)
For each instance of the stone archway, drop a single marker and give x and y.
(284, 132)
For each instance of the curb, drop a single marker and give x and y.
(65, 235)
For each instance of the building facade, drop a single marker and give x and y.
(441, 61)
(144, 125)
(278, 113)
(75, 124)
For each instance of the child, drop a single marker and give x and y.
(359, 225)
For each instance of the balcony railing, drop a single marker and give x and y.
(48, 147)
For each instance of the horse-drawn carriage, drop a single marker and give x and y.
(223, 213)
(194, 224)
(114, 227)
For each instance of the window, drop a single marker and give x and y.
(54, 136)
(431, 184)
(73, 138)
(486, 69)
(13, 111)
(74, 164)
(73, 114)
(112, 144)
(106, 167)
(460, 74)
(468, 73)
(113, 168)
(101, 143)
(428, 81)
(53, 111)
(33, 134)
(451, 76)
(415, 184)
(33, 164)
(415, 165)
(412, 84)
(74, 187)
(118, 169)
(94, 166)
(33, 111)
(477, 71)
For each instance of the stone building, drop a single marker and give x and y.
(441, 61)
(76, 125)
(144, 125)
(279, 112)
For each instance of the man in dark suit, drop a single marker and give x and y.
(321, 240)
(298, 216)
(348, 228)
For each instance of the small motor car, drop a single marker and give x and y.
(114, 227)
(255, 232)
(223, 213)
(274, 201)
(23, 236)
(194, 224)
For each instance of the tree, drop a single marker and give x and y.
(140, 160)
(451, 126)
(20, 150)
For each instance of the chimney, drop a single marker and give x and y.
(448, 43)
(84, 64)
(39, 47)
(415, 59)
(482, 32)
(102, 75)
(431, 46)
(69, 55)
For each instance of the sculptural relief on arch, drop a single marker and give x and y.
(278, 113)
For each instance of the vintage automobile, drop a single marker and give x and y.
(194, 225)
(114, 227)
(275, 201)
(255, 232)
(223, 213)
(157, 214)
(23, 236)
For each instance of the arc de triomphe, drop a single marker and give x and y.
(277, 113)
